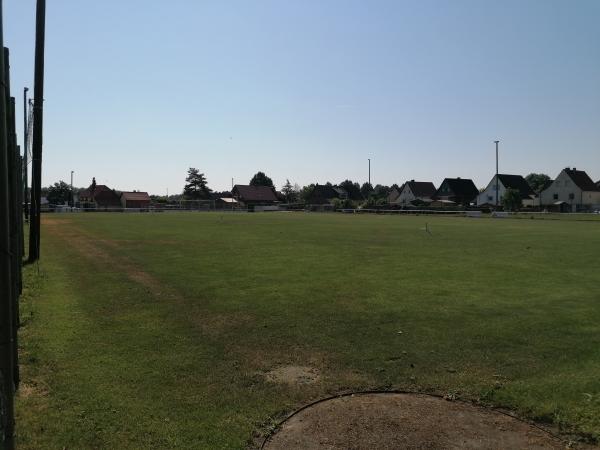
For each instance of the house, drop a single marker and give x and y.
(99, 196)
(574, 188)
(325, 193)
(135, 199)
(516, 182)
(392, 197)
(458, 190)
(415, 190)
(534, 200)
(254, 195)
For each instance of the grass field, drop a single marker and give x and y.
(156, 330)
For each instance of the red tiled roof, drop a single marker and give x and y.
(136, 196)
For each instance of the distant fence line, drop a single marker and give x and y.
(321, 208)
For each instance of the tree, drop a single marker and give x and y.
(537, 181)
(381, 191)
(353, 189)
(306, 192)
(366, 190)
(260, 179)
(59, 193)
(288, 191)
(195, 188)
(511, 200)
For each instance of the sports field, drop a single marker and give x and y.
(198, 330)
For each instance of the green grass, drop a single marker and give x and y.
(155, 330)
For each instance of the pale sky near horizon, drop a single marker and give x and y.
(138, 91)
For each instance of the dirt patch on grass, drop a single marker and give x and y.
(293, 375)
(27, 390)
(407, 421)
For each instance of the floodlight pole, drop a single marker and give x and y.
(72, 198)
(25, 156)
(496, 142)
(38, 118)
(6, 281)
(369, 171)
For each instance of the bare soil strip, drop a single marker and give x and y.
(406, 421)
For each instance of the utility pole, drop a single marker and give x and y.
(38, 119)
(72, 197)
(496, 142)
(369, 171)
(25, 156)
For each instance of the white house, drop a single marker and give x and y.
(516, 182)
(572, 189)
(415, 190)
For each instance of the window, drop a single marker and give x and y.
(555, 196)
(571, 196)
(490, 198)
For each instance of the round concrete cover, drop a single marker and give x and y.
(406, 421)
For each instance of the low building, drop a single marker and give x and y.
(250, 196)
(516, 182)
(534, 201)
(99, 196)
(226, 203)
(415, 191)
(325, 193)
(135, 199)
(458, 190)
(574, 188)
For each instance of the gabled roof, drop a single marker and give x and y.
(327, 192)
(421, 188)
(136, 196)
(99, 188)
(462, 187)
(545, 186)
(255, 193)
(516, 182)
(581, 179)
(342, 192)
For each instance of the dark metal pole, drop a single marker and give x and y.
(6, 282)
(25, 156)
(496, 142)
(72, 190)
(38, 118)
(369, 171)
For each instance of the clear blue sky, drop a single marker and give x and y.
(138, 91)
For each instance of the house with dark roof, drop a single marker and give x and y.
(135, 199)
(505, 182)
(99, 196)
(457, 190)
(415, 190)
(573, 189)
(392, 197)
(254, 195)
(325, 193)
